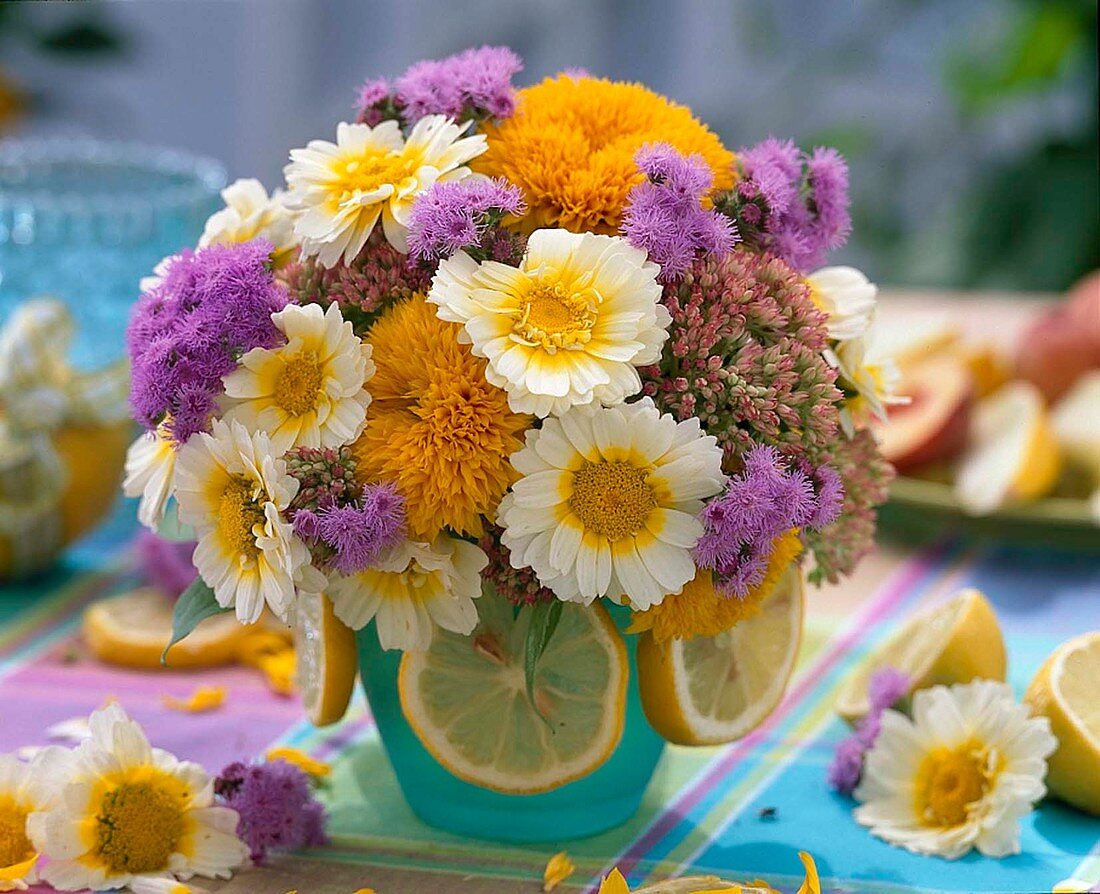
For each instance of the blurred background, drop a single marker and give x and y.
(970, 125)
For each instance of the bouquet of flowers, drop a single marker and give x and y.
(499, 361)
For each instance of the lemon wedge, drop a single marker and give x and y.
(1013, 455)
(710, 690)
(133, 628)
(326, 659)
(465, 698)
(1065, 691)
(954, 642)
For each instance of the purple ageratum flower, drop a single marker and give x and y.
(358, 534)
(887, 686)
(827, 175)
(276, 806)
(211, 306)
(664, 215)
(846, 767)
(457, 215)
(476, 83)
(761, 503)
(791, 203)
(165, 564)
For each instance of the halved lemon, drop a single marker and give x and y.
(465, 698)
(133, 628)
(327, 660)
(710, 690)
(954, 642)
(1013, 454)
(1065, 691)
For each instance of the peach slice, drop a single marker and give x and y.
(934, 425)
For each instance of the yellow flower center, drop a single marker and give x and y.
(612, 499)
(554, 315)
(298, 384)
(139, 826)
(951, 781)
(366, 173)
(238, 514)
(15, 847)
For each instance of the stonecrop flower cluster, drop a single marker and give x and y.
(557, 341)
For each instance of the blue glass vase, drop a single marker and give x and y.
(84, 221)
(603, 799)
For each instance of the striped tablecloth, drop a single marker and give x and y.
(741, 811)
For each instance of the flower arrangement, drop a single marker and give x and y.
(556, 346)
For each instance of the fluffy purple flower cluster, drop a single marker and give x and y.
(165, 564)
(888, 685)
(277, 808)
(191, 328)
(465, 215)
(665, 216)
(476, 83)
(764, 501)
(791, 203)
(356, 534)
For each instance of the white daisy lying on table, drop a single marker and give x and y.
(959, 775)
(125, 812)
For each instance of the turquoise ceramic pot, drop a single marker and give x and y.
(602, 800)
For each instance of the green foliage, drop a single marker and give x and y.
(195, 605)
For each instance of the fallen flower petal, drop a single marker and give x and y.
(558, 868)
(205, 698)
(308, 765)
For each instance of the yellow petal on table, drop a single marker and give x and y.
(614, 883)
(812, 884)
(558, 868)
(315, 768)
(278, 668)
(205, 698)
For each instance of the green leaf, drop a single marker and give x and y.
(544, 621)
(195, 605)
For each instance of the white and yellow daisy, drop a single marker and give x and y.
(342, 188)
(151, 474)
(309, 392)
(24, 788)
(567, 327)
(608, 501)
(232, 489)
(126, 811)
(413, 589)
(847, 296)
(163, 886)
(250, 213)
(869, 379)
(959, 775)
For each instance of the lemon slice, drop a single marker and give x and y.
(133, 628)
(1013, 455)
(954, 642)
(1064, 690)
(465, 698)
(710, 690)
(327, 660)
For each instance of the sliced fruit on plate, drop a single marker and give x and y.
(934, 425)
(1065, 691)
(711, 690)
(1076, 421)
(133, 628)
(953, 642)
(1013, 455)
(465, 698)
(327, 660)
